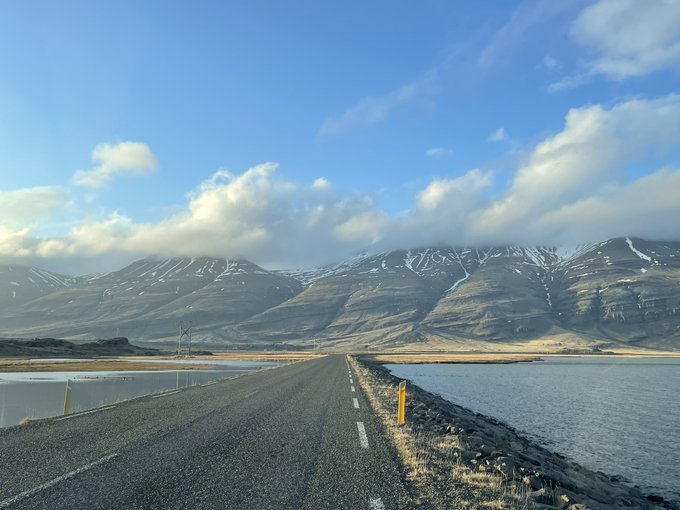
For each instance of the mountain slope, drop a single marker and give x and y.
(618, 292)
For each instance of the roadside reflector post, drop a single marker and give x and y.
(67, 397)
(401, 413)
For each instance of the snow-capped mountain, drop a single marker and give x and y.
(620, 291)
(19, 284)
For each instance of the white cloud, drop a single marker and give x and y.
(15, 243)
(630, 37)
(549, 62)
(372, 110)
(498, 136)
(570, 189)
(364, 228)
(583, 160)
(255, 214)
(115, 159)
(28, 205)
(647, 207)
(440, 190)
(569, 82)
(322, 184)
(529, 14)
(438, 153)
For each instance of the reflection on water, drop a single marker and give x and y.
(41, 394)
(617, 415)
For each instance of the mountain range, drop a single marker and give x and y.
(619, 293)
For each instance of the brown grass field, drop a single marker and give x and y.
(142, 362)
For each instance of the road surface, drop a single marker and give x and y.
(296, 437)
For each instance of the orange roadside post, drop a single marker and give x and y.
(401, 413)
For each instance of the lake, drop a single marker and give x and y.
(41, 394)
(616, 415)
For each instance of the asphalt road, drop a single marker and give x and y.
(286, 438)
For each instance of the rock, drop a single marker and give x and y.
(534, 482)
(505, 465)
(542, 495)
(516, 445)
(564, 501)
(486, 451)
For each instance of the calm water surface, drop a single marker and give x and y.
(617, 415)
(41, 394)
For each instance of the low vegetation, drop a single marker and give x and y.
(441, 479)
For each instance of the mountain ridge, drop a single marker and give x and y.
(622, 291)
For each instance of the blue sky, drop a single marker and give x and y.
(389, 102)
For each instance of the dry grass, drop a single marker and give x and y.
(144, 362)
(262, 356)
(27, 420)
(91, 365)
(431, 460)
(452, 358)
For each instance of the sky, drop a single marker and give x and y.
(299, 133)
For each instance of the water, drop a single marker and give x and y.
(41, 394)
(617, 415)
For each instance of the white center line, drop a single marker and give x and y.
(363, 439)
(10, 501)
(166, 394)
(356, 403)
(68, 417)
(376, 504)
(353, 389)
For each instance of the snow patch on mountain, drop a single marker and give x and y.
(637, 252)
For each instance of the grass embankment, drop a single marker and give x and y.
(144, 362)
(92, 365)
(440, 478)
(261, 356)
(452, 358)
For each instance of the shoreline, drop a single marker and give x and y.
(489, 446)
(134, 363)
(499, 358)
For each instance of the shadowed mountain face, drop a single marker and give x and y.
(621, 291)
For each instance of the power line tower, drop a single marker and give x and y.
(184, 332)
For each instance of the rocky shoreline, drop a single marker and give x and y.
(551, 481)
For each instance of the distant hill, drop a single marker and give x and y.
(618, 293)
(55, 348)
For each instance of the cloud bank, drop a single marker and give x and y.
(630, 37)
(590, 181)
(132, 158)
(625, 39)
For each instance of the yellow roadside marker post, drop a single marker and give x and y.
(401, 413)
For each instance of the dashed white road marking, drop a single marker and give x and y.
(166, 394)
(10, 501)
(356, 403)
(376, 504)
(353, 389)
(68, 417)
(363, 438)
